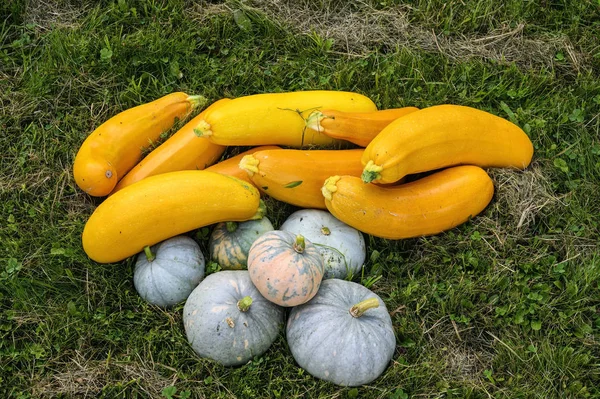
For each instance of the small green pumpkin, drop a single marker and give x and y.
(166, 273)
(230, 242)
(343, 335)
(226, 319)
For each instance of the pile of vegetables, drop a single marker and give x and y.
(355, 170)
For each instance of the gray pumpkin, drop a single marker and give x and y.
(226, 319)
(166, 273)
(330, 338)
(230, 242)
(342, 247)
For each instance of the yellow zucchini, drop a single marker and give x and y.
(442, 136)
(359, 128)
(277, 118)
(163, 206)
(430, 205)
(115, 146)
(296, 176)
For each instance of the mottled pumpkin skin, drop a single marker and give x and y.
(281, 274)
(172, 275)
(342, 247)
(230, 249)
(331, 344)
(218, 330)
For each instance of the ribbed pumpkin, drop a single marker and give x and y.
(286, 268)
(227, 320)
(230, 242)
(342, 247)
(165, 274)
(343, 335)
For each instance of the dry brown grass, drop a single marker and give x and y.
(358, 29)
(523, 196)
(48, 14)
(82, 377)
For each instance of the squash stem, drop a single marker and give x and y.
(300, 244)
(197, 101)
(202, 129)
(361, 307)
(371, 172)
(329, 187)
(313, 121)
(249, 164)
(231, 226)
(149, 255)
(325, 230)
(260, 212)
(244, 304)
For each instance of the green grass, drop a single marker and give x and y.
(504, 306)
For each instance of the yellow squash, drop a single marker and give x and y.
(113, 148)
(230, 165)
(441, 136)
(277, 118)
(296, 176)
(359, 128)
(426, 206)
(182, 151)
(163, 206)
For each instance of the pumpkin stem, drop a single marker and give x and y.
(149, 255)
(244, 304)
(197, 101)
(231, 226)
(249, 164)
(371, 172)
(299, 244)
(260, 212)
(329, 187)
(361, 307)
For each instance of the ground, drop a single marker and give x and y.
(504, 306)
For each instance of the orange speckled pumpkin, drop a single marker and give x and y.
(286, 268)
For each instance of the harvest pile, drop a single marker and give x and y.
(358, 187)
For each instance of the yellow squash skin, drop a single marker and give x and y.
(426, 206)
(277, 118)
(182, 151)
(230, 165)
(296, 176)
(359, 128)
(113, 148)
(442, 136)
(163, 206)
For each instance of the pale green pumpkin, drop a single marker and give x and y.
(342, 247)
(166, 273)
(343, 335)
(226, 319)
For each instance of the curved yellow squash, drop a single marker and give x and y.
(359, 128)
(163, 206)
(426, 206)
(182, 151)
(442, 136)
(277, 118)
(296, 176)
(115, 146)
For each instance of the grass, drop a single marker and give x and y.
(504, 306)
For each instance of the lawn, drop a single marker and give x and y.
(506, 305)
